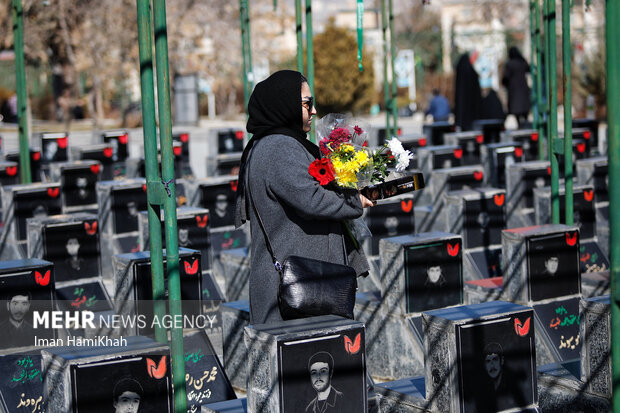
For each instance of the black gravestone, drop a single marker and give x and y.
(592, 258)
(558, 325)
(54, 147)
(454, 179)
(219, 199)
(491, 128)
(584, 214)
(553, 265)
(99, 379)
(310, 356)
(229, 140)
(478, 215)
(483, 263)
(438, 157)
(21, 384)
(212, 299)
(205, 378)
(26, 286)
(9, 173)
(72, 245)
(529, 140)
(78, 181)
(594, 171)
(413, 141)
(134, 287)
(119, 140)
(435, 131)
(126, 204)
(433, 275)
(35, 162)
(34, 200)
(228, 164)
(89, 295)
(183, 138)
(592, 126)
(580, 151)
(496, 157)
(469, 142)
(390, 217)
(585, 135)
(103, 153)
(481, 358)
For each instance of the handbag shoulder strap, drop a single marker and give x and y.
(275, 261)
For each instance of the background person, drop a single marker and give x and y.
(439, 107)
(519, 98)
(300, 216)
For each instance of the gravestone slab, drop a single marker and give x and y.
(583, 209)
(225, 239)
(389, 218)
(594, 284)
(78, 180)
(422, 272)
(9, 173)
(594, 172)
(95, 378)
(404, 395)
(104, 154)
(528, 138)
(119, 205)
(491, 129)
(496, 157)
(541, 262)
(54, 147)
(480, 263)
(469, 142)
(85, 295)
(521, 179)
(235, 316)
(35, 162)
(596, 336)
(438, 157)
(21, 384)
(26, 287)
(205, 378)
(493, 342)
(134, 289)
(435, 131)
(592, 126)
(119, 140)
(557, 323)
(292, 362)
(71, 242)
(192, 227)
(236, 265)
(216, 194)
(478, 215)
(482, 290)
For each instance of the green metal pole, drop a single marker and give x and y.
(553, 111)
(540, 73)
(145, 33)
(17, 13)
(568, 118)
(310, 56)
(612, 37)
(243, 6)
(386, 87)
(300, 37)
(169, 202)
(533, 63)
(392, 58)
(248, 51)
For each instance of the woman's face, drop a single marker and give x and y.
(307, 107)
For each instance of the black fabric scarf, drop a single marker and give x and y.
(274, 108)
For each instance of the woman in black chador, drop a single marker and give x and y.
(519, 99)
(467, 94)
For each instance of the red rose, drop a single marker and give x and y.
(358, 130)
(324, 146)
(340, 135)
(322, 170)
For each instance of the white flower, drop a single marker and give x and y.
(403, 160)
(395, 147)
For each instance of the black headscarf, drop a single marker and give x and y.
(274, 108)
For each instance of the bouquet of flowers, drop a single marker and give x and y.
(348, 161)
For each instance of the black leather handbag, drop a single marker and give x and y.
(310, 287)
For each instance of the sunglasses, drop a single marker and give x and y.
(309, 102)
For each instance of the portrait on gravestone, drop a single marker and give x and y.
(533, 178)
(220, 201)
(78, 186)
(38, 203)
(140, 384)
(50, 148)
(126, 204)
(73, 248)
(553, 265)
(22, 294)
(500, 355)
(433, 275)
(194, 234)
(325, 374)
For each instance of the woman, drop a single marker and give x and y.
(467, 94)
(300, 216)
(514, 79)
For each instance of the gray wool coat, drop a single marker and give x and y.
(301, 217)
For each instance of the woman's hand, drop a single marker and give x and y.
(366, 203)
